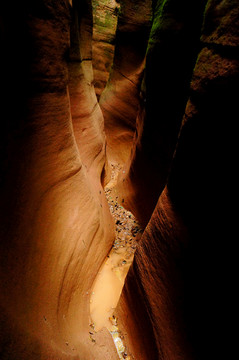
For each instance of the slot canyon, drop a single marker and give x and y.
(117, 179)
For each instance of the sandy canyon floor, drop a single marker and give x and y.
(111, 277)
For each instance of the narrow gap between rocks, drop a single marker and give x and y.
(110, 280)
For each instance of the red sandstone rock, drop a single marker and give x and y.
(120, 99)
(56, 229)
(105, 15)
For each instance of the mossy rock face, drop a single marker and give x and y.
(104, 14)
(172, 19)
(104, 28)
(172, 47)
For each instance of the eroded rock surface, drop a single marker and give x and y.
(110, 279)
(59, 223)
(120, 99)
(105, 17)
(171, 54)
(51, 209)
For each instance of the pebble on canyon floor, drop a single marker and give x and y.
(127, 229)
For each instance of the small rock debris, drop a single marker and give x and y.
(117, 338)
(127, 235)
(127, 229)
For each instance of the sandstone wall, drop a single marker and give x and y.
(182, 264)
(52, 205)
(169, 115)
(120, 99)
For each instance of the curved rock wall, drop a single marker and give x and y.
(181, 263)
(53, 210)
(171, 55)
(56, 229)
(120, 99)
(105, 18)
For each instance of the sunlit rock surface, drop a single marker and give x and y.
(105, 17)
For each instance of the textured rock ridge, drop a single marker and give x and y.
(120, 99)
(53, 207)
(166, 115)
(171, 55)
(179, 264)
(105, 16)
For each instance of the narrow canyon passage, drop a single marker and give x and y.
(109, 282)
(118, 124)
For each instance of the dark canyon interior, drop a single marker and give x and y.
(147, 87)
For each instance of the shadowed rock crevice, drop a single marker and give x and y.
(148, 88)
(171, 55)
